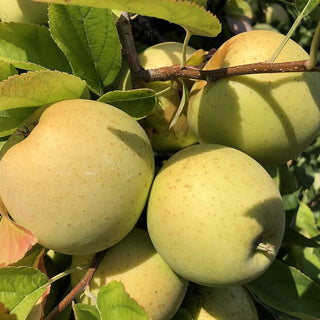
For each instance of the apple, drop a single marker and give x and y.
(80, 180)
(144, 274)
(271, 117)
(228, 303)
(23, 11)
(276, 14)
(215, 215)
(163, 139)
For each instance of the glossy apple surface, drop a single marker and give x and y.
(144, 274)
(271, 117)
(215, 215)
(80, 179)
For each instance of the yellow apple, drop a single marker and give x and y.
(23, 11)
(144, 274)
(215, 215)
(228, 303)
(271, 117)
(80, 180)
(179, 136)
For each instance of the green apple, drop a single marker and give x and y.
(23, 11)
(276, 14)
(228, 303)
(144, 274)
(80, 180)
(271, 117)
(215, 215)
(162, 138)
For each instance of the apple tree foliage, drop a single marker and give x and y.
(78, 55)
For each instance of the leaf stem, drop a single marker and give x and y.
(310, 64)
(184, 48)
(289, 34)
(84, 282)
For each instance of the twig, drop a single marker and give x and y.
(173, 72)
(140, 75)
(129, 49)
(84, 282)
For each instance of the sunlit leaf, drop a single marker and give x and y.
(34, 89)
(305, 221)
(114, 303)
(307, 6)
(288, 290)
(137, 103)
(30, 47)
(15, 240)
(86, 312)
(6, 70)
(21, 288)
(189, 15)
(89, 39)
(197, 58)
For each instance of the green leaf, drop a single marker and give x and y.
(30, 47)
(238, 8)
(188, 14)
(86, 312)
(137, 103)
(288, 290)
(290, 201)
(293, 237)
(35, 89)
(114, 303)
(6, 70)
(89, 39)
(183, 103)
(305, 221)
(20, 289)
(11, 119)
(307, 6)
(197, 58)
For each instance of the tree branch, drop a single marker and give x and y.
(129, 50)
(84, 282)
(175, 71)
(140, 75)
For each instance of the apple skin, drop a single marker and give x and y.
(144, 274)
(80, 179)
(179, 136)
(271, 117)
(25, 11)
(228, 303)
(209, 208)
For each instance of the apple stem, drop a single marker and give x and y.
(266, 247)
